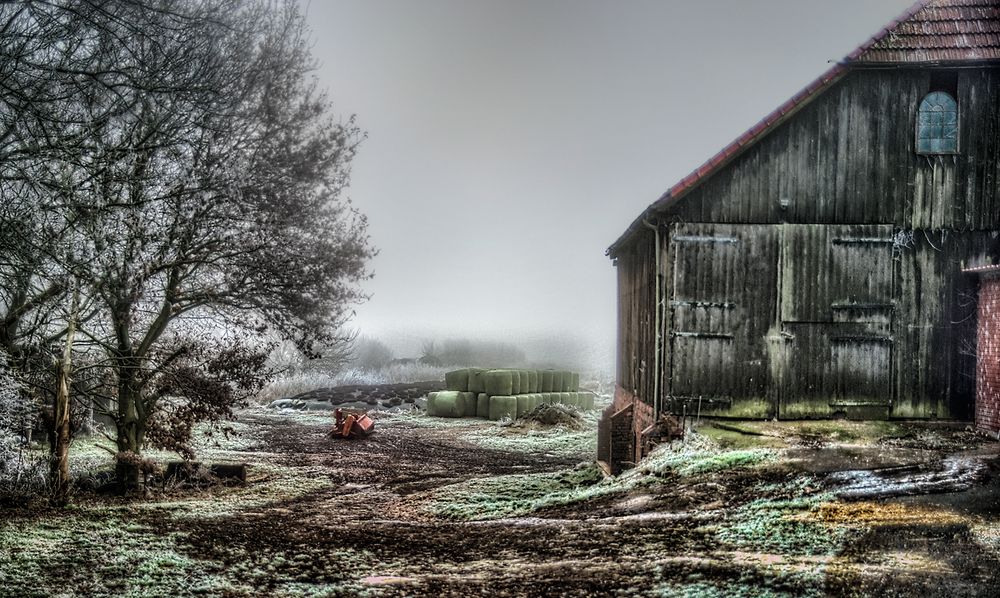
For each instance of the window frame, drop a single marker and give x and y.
(919, 125)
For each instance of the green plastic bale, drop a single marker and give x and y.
(523, 405)
(536, 399)
(471, 401)
(557, 381)
(567, 381)
(502, 407)
(483, 405)
(515, 382)
(457, 380)
(431, 396)
(531, 401)
(532, 380)
(575, 386)
(477, 380)
(525, 382)
(586, 400)
(498, 383)
(569, 398)
(546, 382)
(548, 397)
(447, 403)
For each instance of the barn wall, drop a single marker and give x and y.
(845, 159)
(816, 320)
(631, 410)
(848, 157)
(935, 330)
(637, 318)
(988, 393)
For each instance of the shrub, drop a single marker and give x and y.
(20, 471)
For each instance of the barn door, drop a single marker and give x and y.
(722, 301)
(836, 316)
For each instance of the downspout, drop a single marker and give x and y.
(657, 346)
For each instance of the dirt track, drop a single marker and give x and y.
(339, 518)
(656, 540)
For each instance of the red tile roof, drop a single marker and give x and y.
(939, 31)
(929, 32)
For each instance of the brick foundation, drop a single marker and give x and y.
(988, 357)
(620, 430)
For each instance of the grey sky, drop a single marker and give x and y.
(511, 141)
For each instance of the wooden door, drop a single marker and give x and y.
(722, 302)
(837, 311)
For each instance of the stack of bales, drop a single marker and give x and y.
(498, 394)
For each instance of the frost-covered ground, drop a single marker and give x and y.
(431, 507)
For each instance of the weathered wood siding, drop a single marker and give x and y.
(721, 304)
(797, 320)
(820, 271)
(637, 317)
(848, 158)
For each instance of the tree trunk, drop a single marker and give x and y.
(59, 459)
(131, 430)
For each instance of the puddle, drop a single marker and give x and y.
(856, 458)
(953, 474)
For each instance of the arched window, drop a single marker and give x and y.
(937, 124)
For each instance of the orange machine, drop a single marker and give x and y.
(351, 425)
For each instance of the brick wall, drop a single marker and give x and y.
(621, 447)
(988, 356)
(642, 418)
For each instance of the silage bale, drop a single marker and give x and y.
(525, 381)
(532, 381)
(498, 383)
(515, 382)
(569, 398)
(477, 380)
(557, 381)
(457, 380)
(483, 405)
(429, 407)
(523, 405)
(535, 400)
(470, 400)
(586, 400)
(447, 403)
(503, 407)
(546, 383)
(567, 381)
(575, 386)
(546, 397)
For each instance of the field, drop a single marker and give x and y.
(432, 507)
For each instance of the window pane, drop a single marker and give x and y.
(937, 124)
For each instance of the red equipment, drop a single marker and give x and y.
(352, 425)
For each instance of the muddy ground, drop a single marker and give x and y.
(444, 508)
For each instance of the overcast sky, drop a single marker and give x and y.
(511, 141)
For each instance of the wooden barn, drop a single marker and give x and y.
(824, 264)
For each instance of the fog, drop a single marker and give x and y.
(510, 142)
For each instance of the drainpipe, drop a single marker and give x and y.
(659, 309)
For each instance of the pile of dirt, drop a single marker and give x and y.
(553, 414)
(360, 396)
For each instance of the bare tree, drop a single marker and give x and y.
(199, 182)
